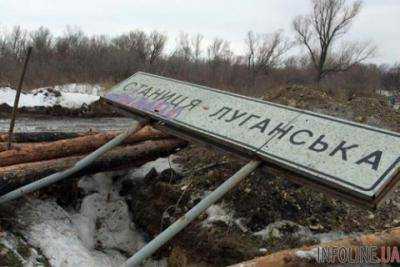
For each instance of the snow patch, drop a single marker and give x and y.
(50, 228)
(106, 223)
(104, 218)
(46, 97)
(263, 250)
(100, 183)
(330, 236)
(76, 100)
(81, 88)
(216, 213)
(95, 235)
(283, 229)
(309, 254)
(159, 164)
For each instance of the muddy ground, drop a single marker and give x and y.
(259, 201)
(230, 231)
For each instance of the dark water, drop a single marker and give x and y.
(25, 124)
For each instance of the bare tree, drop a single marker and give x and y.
(265, 52)
(18, 41)
(133, 49)
(196, 46)
(188, 48)
(77, 57)
(219, 51)
(251, 42)
(318, 32)
(220, 58)
(41, 40)
(156, 44)
(183, 47)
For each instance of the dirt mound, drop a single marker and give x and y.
(300, 97)
(373, 110)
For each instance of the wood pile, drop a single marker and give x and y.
(34, 156)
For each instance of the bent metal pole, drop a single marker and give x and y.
(86, 161)
(192, 214)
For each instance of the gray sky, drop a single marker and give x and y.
(379, 20)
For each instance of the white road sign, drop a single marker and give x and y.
(348, 157)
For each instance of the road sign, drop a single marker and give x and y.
(353, 160)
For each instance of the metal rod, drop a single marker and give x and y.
(17, 96)
(192, 214)
(66, 173)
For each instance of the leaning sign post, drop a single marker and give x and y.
(356, 162)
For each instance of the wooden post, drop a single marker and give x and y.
(18, 94)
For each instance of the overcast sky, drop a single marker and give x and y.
(379, 20)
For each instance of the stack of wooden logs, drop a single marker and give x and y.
(36, 155)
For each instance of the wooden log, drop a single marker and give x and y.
(3, 147)
(70, 147)
(306, 256)
(17, 146)
(12, 177)
(34, 137)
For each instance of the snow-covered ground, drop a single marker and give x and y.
(81, 88)
(98, 233)
(71, 96)
(159, 165)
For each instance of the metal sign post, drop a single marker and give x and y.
(192, 214)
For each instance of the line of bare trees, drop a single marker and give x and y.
(266, 63)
